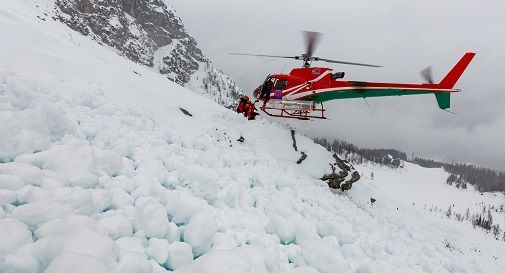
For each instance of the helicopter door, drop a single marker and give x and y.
(279, 86)
(266, 88)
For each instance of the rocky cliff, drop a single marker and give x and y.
(149, 32)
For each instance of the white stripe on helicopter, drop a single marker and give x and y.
(327, 90)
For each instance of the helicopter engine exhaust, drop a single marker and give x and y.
(337, 75)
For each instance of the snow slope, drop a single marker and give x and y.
(102, 172)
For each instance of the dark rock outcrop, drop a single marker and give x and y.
(338, 181)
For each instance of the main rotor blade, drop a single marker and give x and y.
(427, 74)
(349, 63)
(311, 41)
(263, 55)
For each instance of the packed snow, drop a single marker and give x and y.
(102, 172)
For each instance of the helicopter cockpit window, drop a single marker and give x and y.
(280, 85)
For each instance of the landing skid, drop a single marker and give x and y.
(295, 114)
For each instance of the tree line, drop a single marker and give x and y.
(483, 179)
(355, 155)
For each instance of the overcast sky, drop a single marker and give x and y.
(404, 36)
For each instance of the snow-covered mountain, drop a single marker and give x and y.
(149, 32)
(103, 172)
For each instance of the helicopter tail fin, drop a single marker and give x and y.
(453, 76)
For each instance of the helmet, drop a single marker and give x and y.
(245, 98)
(256, 93)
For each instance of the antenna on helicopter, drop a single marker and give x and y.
(284, 68)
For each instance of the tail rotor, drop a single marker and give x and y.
(427, 74)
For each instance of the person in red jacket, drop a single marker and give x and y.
(241, 107)
(250, 111)
(247, 107)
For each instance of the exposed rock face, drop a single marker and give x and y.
(149, 32)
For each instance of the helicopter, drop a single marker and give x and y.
(301, 93)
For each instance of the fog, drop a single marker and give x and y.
(404, 37)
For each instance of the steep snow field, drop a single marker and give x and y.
(102, 172)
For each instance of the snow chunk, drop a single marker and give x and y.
(179, 254)
(173, 233)
(145, 186)
(108, 162)
(131, 244)
(120, 198)
(117, 225)
(238, 260)
(283, 228)
(28, 173)
(76, 170)
(63, 202)
(132, 262)
(19, 263)
(30, 194)
(306, 233)
(158, 250)
(182, 207)
(8, 197)
(102, 199)
(133, 258)
(200, 231)
(292, 251)
(325, 255)
(76, 263)
(61, 225)
(152, 220)
(10, 182)
(352, 251)
(13, 235)
(51, 183)
(150, 167)
(30, 125)
(74, 235)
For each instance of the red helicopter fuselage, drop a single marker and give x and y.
(304, 88)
